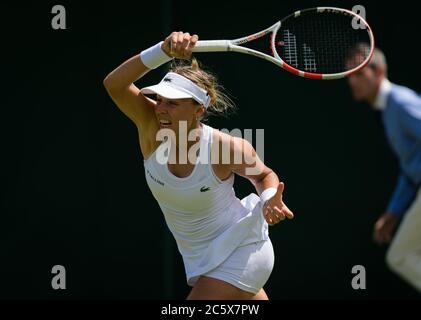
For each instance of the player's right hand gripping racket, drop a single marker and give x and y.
(313, 43)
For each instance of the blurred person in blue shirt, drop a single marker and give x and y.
(401, 116)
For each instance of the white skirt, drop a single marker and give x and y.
(242, 255)
(248, 267)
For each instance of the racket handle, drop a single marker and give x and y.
(211, 46)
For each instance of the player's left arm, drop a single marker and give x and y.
(246, 162)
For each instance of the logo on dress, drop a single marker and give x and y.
(204, 189)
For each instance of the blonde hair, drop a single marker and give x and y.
(220, 103)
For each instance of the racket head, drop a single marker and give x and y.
(318, 43)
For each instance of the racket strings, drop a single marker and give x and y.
(321, 43)
(290, 43)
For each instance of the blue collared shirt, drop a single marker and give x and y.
(401, 114)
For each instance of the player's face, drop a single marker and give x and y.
(171, 112)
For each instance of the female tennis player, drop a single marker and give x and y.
(224, 241)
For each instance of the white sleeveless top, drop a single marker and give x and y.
(205, 217)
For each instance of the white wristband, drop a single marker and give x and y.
(267, 194)
(154, 56)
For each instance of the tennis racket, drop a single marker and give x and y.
(314, 43)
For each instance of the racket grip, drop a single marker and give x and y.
(211, 46)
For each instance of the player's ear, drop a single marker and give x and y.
(200, 110)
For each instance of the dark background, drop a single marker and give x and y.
(73, 191)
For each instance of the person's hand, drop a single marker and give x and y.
(384, 227)
(275, 210)
(179, 44)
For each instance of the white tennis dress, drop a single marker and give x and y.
(208, 221)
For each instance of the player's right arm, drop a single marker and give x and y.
(120, 86)
(138, 108)
(120, 82)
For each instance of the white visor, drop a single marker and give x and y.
(175, 86)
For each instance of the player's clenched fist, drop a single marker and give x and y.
(180, 44)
